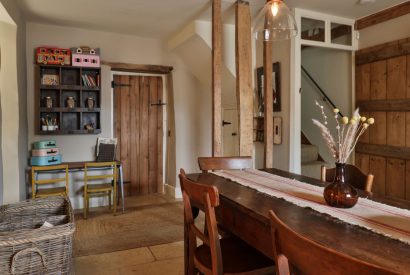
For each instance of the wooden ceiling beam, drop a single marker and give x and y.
(128, 67)
(382, 16)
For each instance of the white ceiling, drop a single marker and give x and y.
(162, 18)
(145, 18)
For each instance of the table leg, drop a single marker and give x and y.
(122, 188)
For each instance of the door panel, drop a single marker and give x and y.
(138, 127)
(134, 121)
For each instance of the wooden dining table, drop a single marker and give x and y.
(244, 212)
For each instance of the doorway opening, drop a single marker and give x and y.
(318, 32)
(326, 78)
(139, 117)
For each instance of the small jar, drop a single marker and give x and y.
(90, 103)
(70, 102)
(49, 102)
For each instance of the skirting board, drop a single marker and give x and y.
(172, 191)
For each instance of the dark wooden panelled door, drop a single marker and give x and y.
(138, 124)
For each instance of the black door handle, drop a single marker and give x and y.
(225, 123)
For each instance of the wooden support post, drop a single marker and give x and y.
(244, 93)
(268, 103)
(216, 79)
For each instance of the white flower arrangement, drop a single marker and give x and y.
(348, 129)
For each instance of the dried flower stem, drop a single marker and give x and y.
(347, 137)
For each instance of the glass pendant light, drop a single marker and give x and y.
(275, 22)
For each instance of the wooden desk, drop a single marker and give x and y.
(244, 212)
(79, 166)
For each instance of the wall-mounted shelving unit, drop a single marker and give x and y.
(58, 84)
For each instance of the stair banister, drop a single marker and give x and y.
(325, 97)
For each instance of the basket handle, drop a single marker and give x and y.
(26, 251)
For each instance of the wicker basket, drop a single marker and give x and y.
(28, 248)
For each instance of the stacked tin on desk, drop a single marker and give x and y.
(45, 153)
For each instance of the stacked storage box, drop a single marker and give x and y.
(45, 153)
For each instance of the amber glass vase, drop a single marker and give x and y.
(339, 193)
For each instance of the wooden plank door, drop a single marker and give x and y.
(383, 92)
(138, 124)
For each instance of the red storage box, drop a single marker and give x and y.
(53, 56)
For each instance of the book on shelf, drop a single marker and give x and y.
(91, 81)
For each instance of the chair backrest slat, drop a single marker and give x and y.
(353, 176)
(311, 257)
(224, 163)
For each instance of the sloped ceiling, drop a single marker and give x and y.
(162, 18)
(144, 18)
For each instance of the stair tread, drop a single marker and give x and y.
(313, 162)
(309, 152)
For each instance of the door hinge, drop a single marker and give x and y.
(114, 85)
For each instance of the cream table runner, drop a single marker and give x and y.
(383, 219)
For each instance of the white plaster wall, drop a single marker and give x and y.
(187, 90)
(15, 138)
(193, 44)
(205, 122)
(391, 30)
(118, 48)
(10, 113)
(280, 53)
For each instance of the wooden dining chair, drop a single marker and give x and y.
(224, 163)
(216, 256)
(41, 188)
(354, 176)
(312, 258)
(100, 189)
